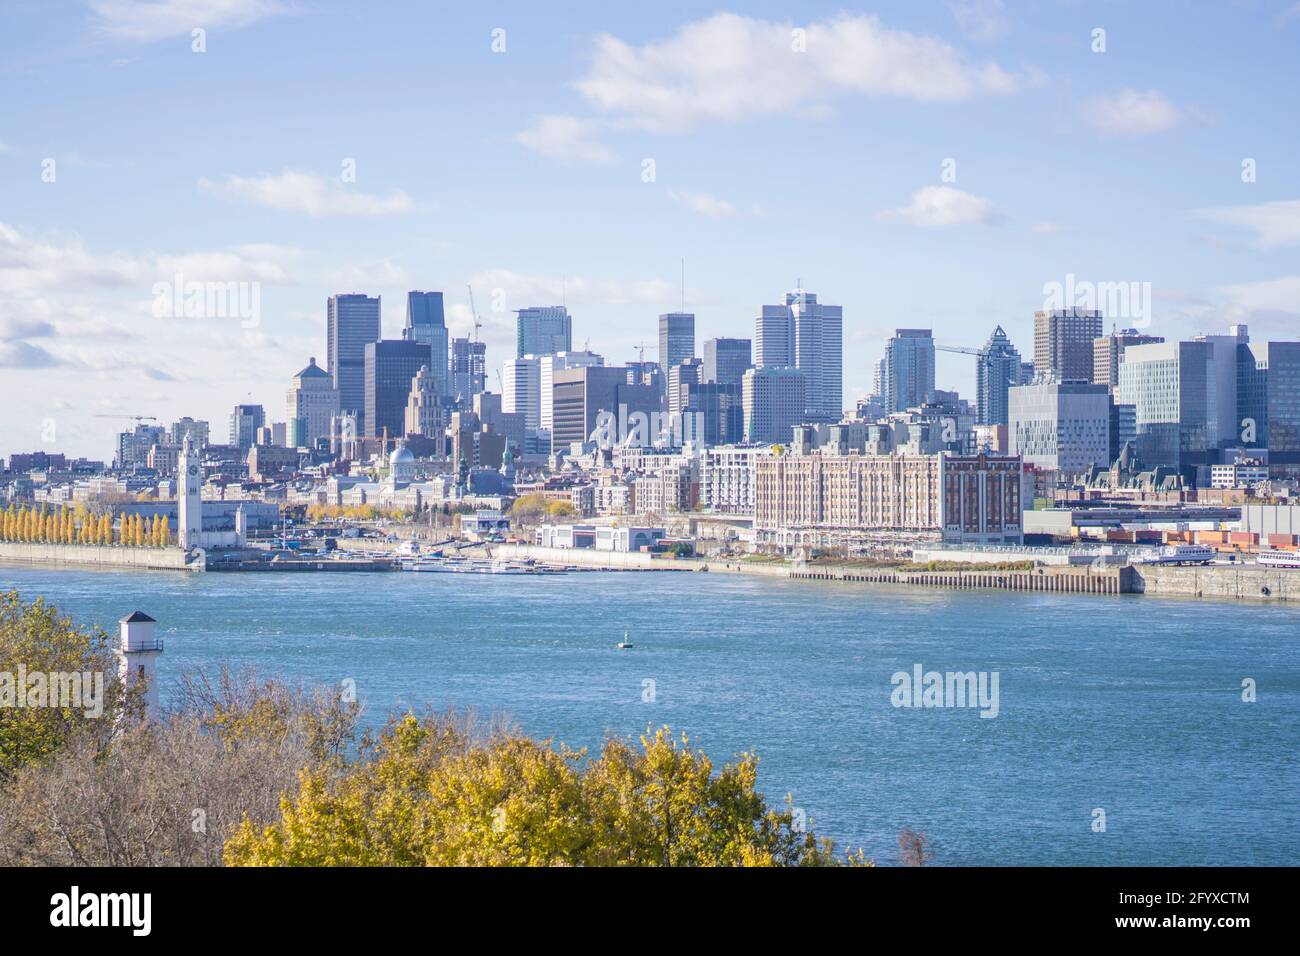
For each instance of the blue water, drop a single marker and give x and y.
(1129, 704)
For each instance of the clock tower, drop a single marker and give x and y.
(189, 503)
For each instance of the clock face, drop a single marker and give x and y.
(194, 470)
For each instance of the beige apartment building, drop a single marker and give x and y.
(963, 499)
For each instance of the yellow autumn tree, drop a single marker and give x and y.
(165, 532)
(431, 796)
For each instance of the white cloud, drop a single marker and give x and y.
(144, 21)
(728, 68)
(1271, 295)
(310, 193)
(567, 139)
(981, 20)
(944, 206)
(703, 204)
(1274, 223)
(519, 290)
(1132, 113)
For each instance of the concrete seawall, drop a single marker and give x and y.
(77, 555)
(1241, 582)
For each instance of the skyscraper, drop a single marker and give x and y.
(352, 322)
(1063, 343)
(997, 368)
(676, 338)
(726, 360)
(424, 412)
(1108, 351)
(245, 420)
(581, 394)
(774, 400)
(1271, 403)
(311, 403)
(426, 323)
(907, 370)
(468, 370)
(542, 330)
(1060, 426)
(549, 365)
(685, 373)
(390, 365)
(521, 389)
(809, 336)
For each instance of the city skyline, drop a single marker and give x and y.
(955, 193)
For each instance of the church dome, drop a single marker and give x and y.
(401, 454)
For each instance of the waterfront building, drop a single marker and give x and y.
(1063, 343)
(390, 365)
(245, 420)
(774, 401)
(352, 322)
(726, 360)
(1061, 426)
(549, 365)
(543, 330)
(311, 403)
(676, 338)
(974, 499)
(907, 370)
(1108, 352)
(727, 478)
(997, 368)
(809, 336)
(426, 323)
(468, 370)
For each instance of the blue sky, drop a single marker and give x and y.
(522, 171)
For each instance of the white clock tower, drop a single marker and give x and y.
(189, 503)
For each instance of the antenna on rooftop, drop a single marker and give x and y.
(683, 284)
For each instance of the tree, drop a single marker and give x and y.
(431, 795)
(36, 639)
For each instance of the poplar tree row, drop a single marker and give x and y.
(78, 526)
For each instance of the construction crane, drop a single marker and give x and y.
(473, 312)
(135, 418)
(958, 348)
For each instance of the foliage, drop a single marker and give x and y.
(431, 795)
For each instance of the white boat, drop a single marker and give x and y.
(1274, 558)
(1177, 554)
(456, 565)
(625, 643)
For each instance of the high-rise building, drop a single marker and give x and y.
(390, 366)
(468, 370)
(580, 395)
(907, 370)
(1060, 426)
(1269, 403)
(543, 330)
(1108, 351)
(719, 408)
(1186, 398)
(997, 368)
(311, 403)
(809, 336)
(726, 360)
(133, 446)
(245, 420)
(774, 399)
(521, 389)
(424, 411)
(352, 323)
(1063, 343)
(426, 323)
(558, 362)
(680, 377)
(196, 431)
(676, 338)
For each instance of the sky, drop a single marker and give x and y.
(922, 164)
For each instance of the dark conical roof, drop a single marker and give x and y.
(313, 371)
(137, 617)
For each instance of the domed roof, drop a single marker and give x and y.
(401, 454)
